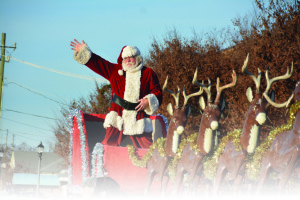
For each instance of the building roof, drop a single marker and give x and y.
(31, 179)
(27, 162)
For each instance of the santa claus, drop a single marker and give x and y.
(136, 94)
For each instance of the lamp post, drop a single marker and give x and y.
(40, 150)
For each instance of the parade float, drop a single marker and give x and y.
(197, 159)
(89, 158)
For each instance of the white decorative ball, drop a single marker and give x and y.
(121, 73)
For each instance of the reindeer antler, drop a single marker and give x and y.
(176, 96)
(254, 78)
(186, 98)
(287, 75)
(207, 89)
(219, 89)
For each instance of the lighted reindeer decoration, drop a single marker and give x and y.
(193, 154)
(161, 156)
(284, 153)
(233, 160)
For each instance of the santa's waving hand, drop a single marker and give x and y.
(76, 46)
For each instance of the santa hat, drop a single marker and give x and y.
(128, 51)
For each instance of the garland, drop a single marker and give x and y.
(254, 165)
(211, 163)
(97, 161)
(159, 145)
(83, 151)
(193, 146)
(70, 168)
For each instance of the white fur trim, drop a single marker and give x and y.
(153, 104)
(130, 51)
(132, 126)
(132, 86)
(208, 140)
(132, 93)
(112, 119)
(83, 56)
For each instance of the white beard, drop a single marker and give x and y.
(131, 68)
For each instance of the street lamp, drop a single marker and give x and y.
(40, 150)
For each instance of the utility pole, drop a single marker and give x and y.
(2, 67)
(3, 59)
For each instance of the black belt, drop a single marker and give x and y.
(123, 103)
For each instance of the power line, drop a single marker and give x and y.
(36, 92)
(33, 89)
(24, 124)
(24, 137)
(28, 114)
(58, 71)
(31, 137)
(21, 139)
(20, 136)
(18, 132)
(27, 141)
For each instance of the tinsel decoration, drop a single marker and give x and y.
(254, 165)
(97, 161)
(84, 173)
(70, 171)
(78, 115)
(211, 163)
(191, 140)
(159, 145)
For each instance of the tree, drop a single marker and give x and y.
(271, 37)
(24, 147)
(98, 102)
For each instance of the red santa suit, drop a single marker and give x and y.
(130, 84)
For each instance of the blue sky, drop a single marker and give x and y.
(43, 31)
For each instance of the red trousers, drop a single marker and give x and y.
(114, 137)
